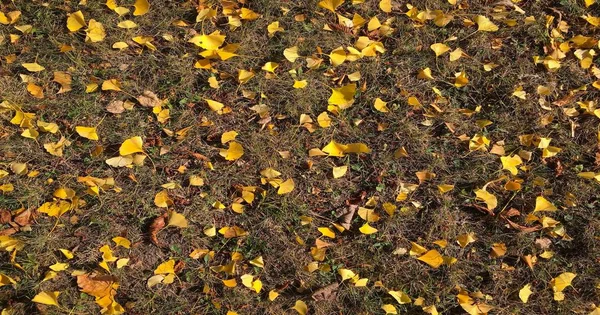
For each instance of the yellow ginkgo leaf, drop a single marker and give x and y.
(433, 258)
(456, 54)
(324, 120)
(274, 28)
(6, 280)
(444, 188)
(511, 163)
(367, 229)
(286, 187)
(381, 105)
(465, 239)
(291, 53)
(162, 200)
(247, 14)
(389, 309)
(47, 127)
(361, 282)
(122, 262)
(33, 67)
(425, 74)
(111, 85)
(230, 283)
(460, 79)
(343, 97)
(368, 215)
(168, 267)
(346, 274)
(330, 5)
(67, 253)
(95, 32)
(258, 262)
(247, 280)
(525, 292)
(385, 6)
(121, 10)
(35, 90)
(490, 200)
(87, 132)
(542, 204)
(337, 56)
(562, 281)
(141, 7)
(131, 145)
(211, 41)
(234, 152)
(59, 267)
(273, 295)
(335, 149)
(439, 49)
(245, 76)
(400, 297)
(257, 285)
(300, 84)
(214, 105)
(498, 250)
(154, 280)
(228, 136)
(270, 66)
(127, 24)
(121, 241)
(210, 231)
(178, 220)
(484, 24)
(301, 307)
(120, 161)
(75, 21)
(47, 297)
(327, 232)
(340, 171)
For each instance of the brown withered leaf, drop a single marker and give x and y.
(566, 100)
(347, 216)
(179, 266)
(5, 216)
(157, 224)
(23, 218)
(115, 107)
(524, 229)
(543, 243)
(149, 99)
(327, 293)
(97, 285)
(512, 212)
(9, 231)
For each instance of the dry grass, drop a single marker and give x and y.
(274, 221)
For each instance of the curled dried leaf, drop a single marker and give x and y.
(157, 224)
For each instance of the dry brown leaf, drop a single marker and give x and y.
(347, 216)
(543, 243)
(23, 218)
(149, 99)
(97, 285)
(327, 293)
(115, 107)
(524, 229)
(156, 226)
(5, 216)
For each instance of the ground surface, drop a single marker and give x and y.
(327, 164)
